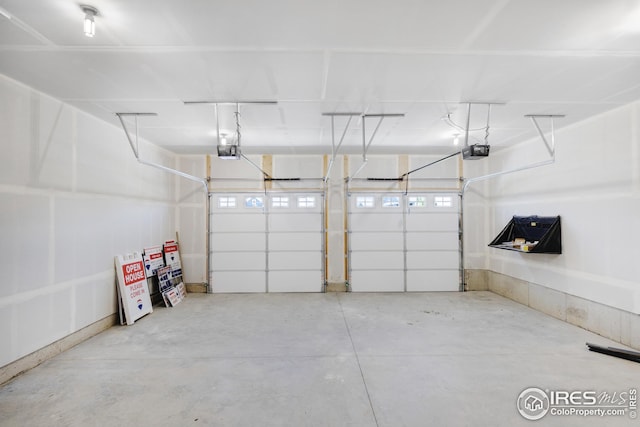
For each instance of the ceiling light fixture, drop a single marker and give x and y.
(456, 138)
(90, 13)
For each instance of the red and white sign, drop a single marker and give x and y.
(171, 254)
(153, 260)
(133, 273)
(132, 286)
(172, 258)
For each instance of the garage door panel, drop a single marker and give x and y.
(304, 241)
(238, 222)
(230, 242)
(422, 260)
(367, 240)
(377, 260)
(440, 202)
(233, 281)
(432, 222)
(418, 242)
(447, 240)
(238, 261)
(294, 222)
(376, 244)
(295, 281)
(377, 281)
(259, 238)
(294, 260)
(434, 280)
(375, 222)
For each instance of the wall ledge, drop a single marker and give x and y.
(196, 288)
(610, 322)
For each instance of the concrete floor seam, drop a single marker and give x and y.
(228, 357)
(355, 352)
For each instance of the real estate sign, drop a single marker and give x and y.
(132, 286)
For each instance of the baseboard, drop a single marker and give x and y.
(196, 288)
(610, 322)
(476, 280)
(32, 360)
(336, 287)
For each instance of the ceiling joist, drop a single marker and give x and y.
(334, 148)
(551, 146)
(136, 150)
(227, 102)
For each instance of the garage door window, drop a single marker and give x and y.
(226, 202)
(365, 202)
(442, 201)
(417, 201)
(307, 202)
(254, 202)
(280, 202)
(391, 202)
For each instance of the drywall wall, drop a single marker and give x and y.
(594, 185)
(476, 216)
(71, 197)
(191, 219)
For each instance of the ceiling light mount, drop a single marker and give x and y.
(90, 13)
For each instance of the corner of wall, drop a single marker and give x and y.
(476, 280)
(610, 322)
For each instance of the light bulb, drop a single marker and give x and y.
(89, 26)
(90, 13)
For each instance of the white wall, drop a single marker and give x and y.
(71, 197)
(476, 216)
(191, 219)
(594, 186)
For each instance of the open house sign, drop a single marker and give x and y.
(132, 287)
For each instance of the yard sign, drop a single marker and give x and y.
(132, 287)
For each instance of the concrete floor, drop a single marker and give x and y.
(441, 359)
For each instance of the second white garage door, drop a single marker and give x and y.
(404, 242)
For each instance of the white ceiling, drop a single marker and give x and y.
(423, 58)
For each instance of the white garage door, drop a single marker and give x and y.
(376, 243)
(266, 242)
(403, 242)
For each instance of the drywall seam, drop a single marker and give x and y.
(579, 196)
(78, 195)
(74, 151)
(635, 148)
(626, 284)
(52, 240)
(28, 295)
